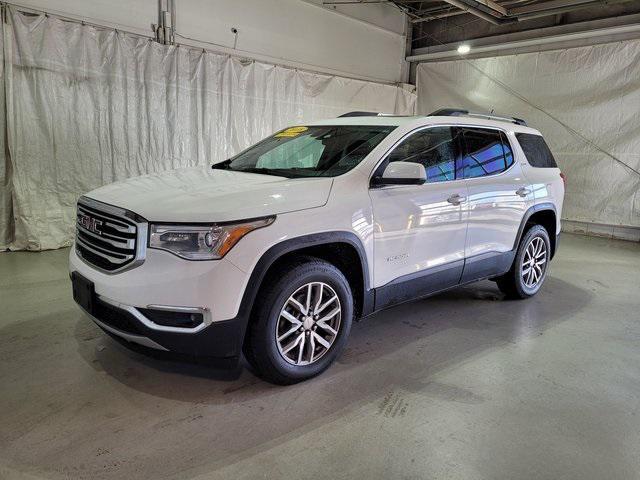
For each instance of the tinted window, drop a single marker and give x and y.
(484, 153)
(434, 148)
(536, 150)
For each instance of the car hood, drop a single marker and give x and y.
(202, 194)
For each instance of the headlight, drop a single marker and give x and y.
(202, 242)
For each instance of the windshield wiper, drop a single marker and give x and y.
(226, 165)
(262, 171)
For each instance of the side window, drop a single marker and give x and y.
(484, 153)
(434, 148)
(536, 150)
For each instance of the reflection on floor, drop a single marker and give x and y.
(463, 385)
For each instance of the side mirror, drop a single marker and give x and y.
(401, 173)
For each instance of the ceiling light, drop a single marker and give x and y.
(464, 48)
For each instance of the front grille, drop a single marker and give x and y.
(108, 237)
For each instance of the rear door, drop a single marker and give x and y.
(419, 230)
(543, 173)
(499, 195)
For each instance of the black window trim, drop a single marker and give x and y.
(383, 160)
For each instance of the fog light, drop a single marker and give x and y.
(169, 318)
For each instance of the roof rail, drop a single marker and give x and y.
(459, 112)
(359, 114)
(371, 114)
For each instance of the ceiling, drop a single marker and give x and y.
(438, 22)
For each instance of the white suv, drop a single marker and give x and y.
(274, 252)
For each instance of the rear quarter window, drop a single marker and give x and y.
(536, 150)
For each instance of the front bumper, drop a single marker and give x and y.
(212, 288)
(217, 340)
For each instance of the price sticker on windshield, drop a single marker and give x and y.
(292, 132)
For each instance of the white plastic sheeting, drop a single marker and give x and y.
(87, 106)
(585, 101)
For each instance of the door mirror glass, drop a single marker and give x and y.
(401, 173)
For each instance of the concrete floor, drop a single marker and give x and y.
(464, 385)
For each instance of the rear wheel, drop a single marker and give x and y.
(301, 321)
(529, 269)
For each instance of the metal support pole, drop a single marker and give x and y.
(166, 27)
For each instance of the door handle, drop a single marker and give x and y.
(523, 192)
(456, 199)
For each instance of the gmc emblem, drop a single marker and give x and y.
(90, 223)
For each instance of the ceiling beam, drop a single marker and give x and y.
(536, 7)
(475, 11)
(568, 7)
(533, 42)
(516, 14)
(494, 6)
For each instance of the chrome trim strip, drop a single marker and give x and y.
(129, 242)
(102, 254)
(112, 223)
(140, 340)
(107, 208)
(141, 244)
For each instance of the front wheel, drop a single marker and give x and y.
(301, 321)
(529, 269)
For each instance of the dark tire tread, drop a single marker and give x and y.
(510, 283)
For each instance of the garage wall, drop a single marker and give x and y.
(294, 32)
(382, 14)
(88, 106)
(585, 101)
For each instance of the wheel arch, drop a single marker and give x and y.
(544, 214)
(341, 248)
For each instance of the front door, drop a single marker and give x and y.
(419, 230)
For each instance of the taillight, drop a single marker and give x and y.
(564, 179)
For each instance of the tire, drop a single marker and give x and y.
(518, 282)
(281, 301)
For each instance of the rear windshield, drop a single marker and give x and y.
(536, 150)
(315, 151)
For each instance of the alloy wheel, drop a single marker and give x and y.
(308, 323)
(534, 263)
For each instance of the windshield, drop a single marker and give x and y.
(320, 151)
